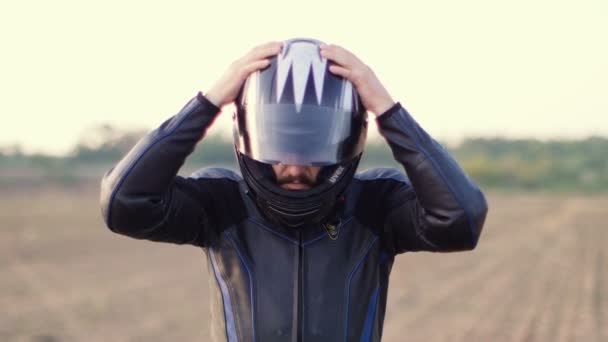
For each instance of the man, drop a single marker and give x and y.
(300, 248)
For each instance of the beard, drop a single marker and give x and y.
(300, 182)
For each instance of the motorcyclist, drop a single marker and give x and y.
(299, 246)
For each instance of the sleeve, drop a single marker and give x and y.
(440, 209)
(142, 196)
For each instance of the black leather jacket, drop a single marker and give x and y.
(278, 284)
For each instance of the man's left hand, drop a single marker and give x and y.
(374, 96)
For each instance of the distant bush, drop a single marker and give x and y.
(499, 163)
(104, 143)
(534, 165)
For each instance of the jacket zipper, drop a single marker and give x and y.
(300, 294)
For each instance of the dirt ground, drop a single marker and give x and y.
(540, 273)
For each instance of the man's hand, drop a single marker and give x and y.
(225, 90)
(374, 96)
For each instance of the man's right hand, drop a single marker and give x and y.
(225, 90)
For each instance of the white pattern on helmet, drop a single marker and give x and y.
(300, 59)
(346, 97)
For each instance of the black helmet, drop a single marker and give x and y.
(295, 112)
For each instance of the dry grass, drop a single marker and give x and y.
(539, 274)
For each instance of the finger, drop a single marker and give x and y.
(255, 66)
(338, 55)
(264, 51)
(340, 71)
(256, 54)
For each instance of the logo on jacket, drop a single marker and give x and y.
(333, 229)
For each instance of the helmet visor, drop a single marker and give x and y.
(312, 135)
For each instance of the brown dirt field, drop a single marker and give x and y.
(540, 273)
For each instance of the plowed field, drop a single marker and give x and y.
(540, 273)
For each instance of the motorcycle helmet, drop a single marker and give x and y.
(296, 112)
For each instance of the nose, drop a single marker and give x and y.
(295, 170)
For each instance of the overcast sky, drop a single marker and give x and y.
(512, 68)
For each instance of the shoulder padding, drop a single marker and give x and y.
(382, 173)
(216, 172)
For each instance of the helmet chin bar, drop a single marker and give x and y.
(296, 208)
(293, 218)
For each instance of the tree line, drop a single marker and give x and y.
(497, 163)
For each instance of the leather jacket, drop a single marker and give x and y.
(274, 283)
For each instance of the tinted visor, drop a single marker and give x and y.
(314, 135)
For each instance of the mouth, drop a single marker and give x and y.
(295, 186)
